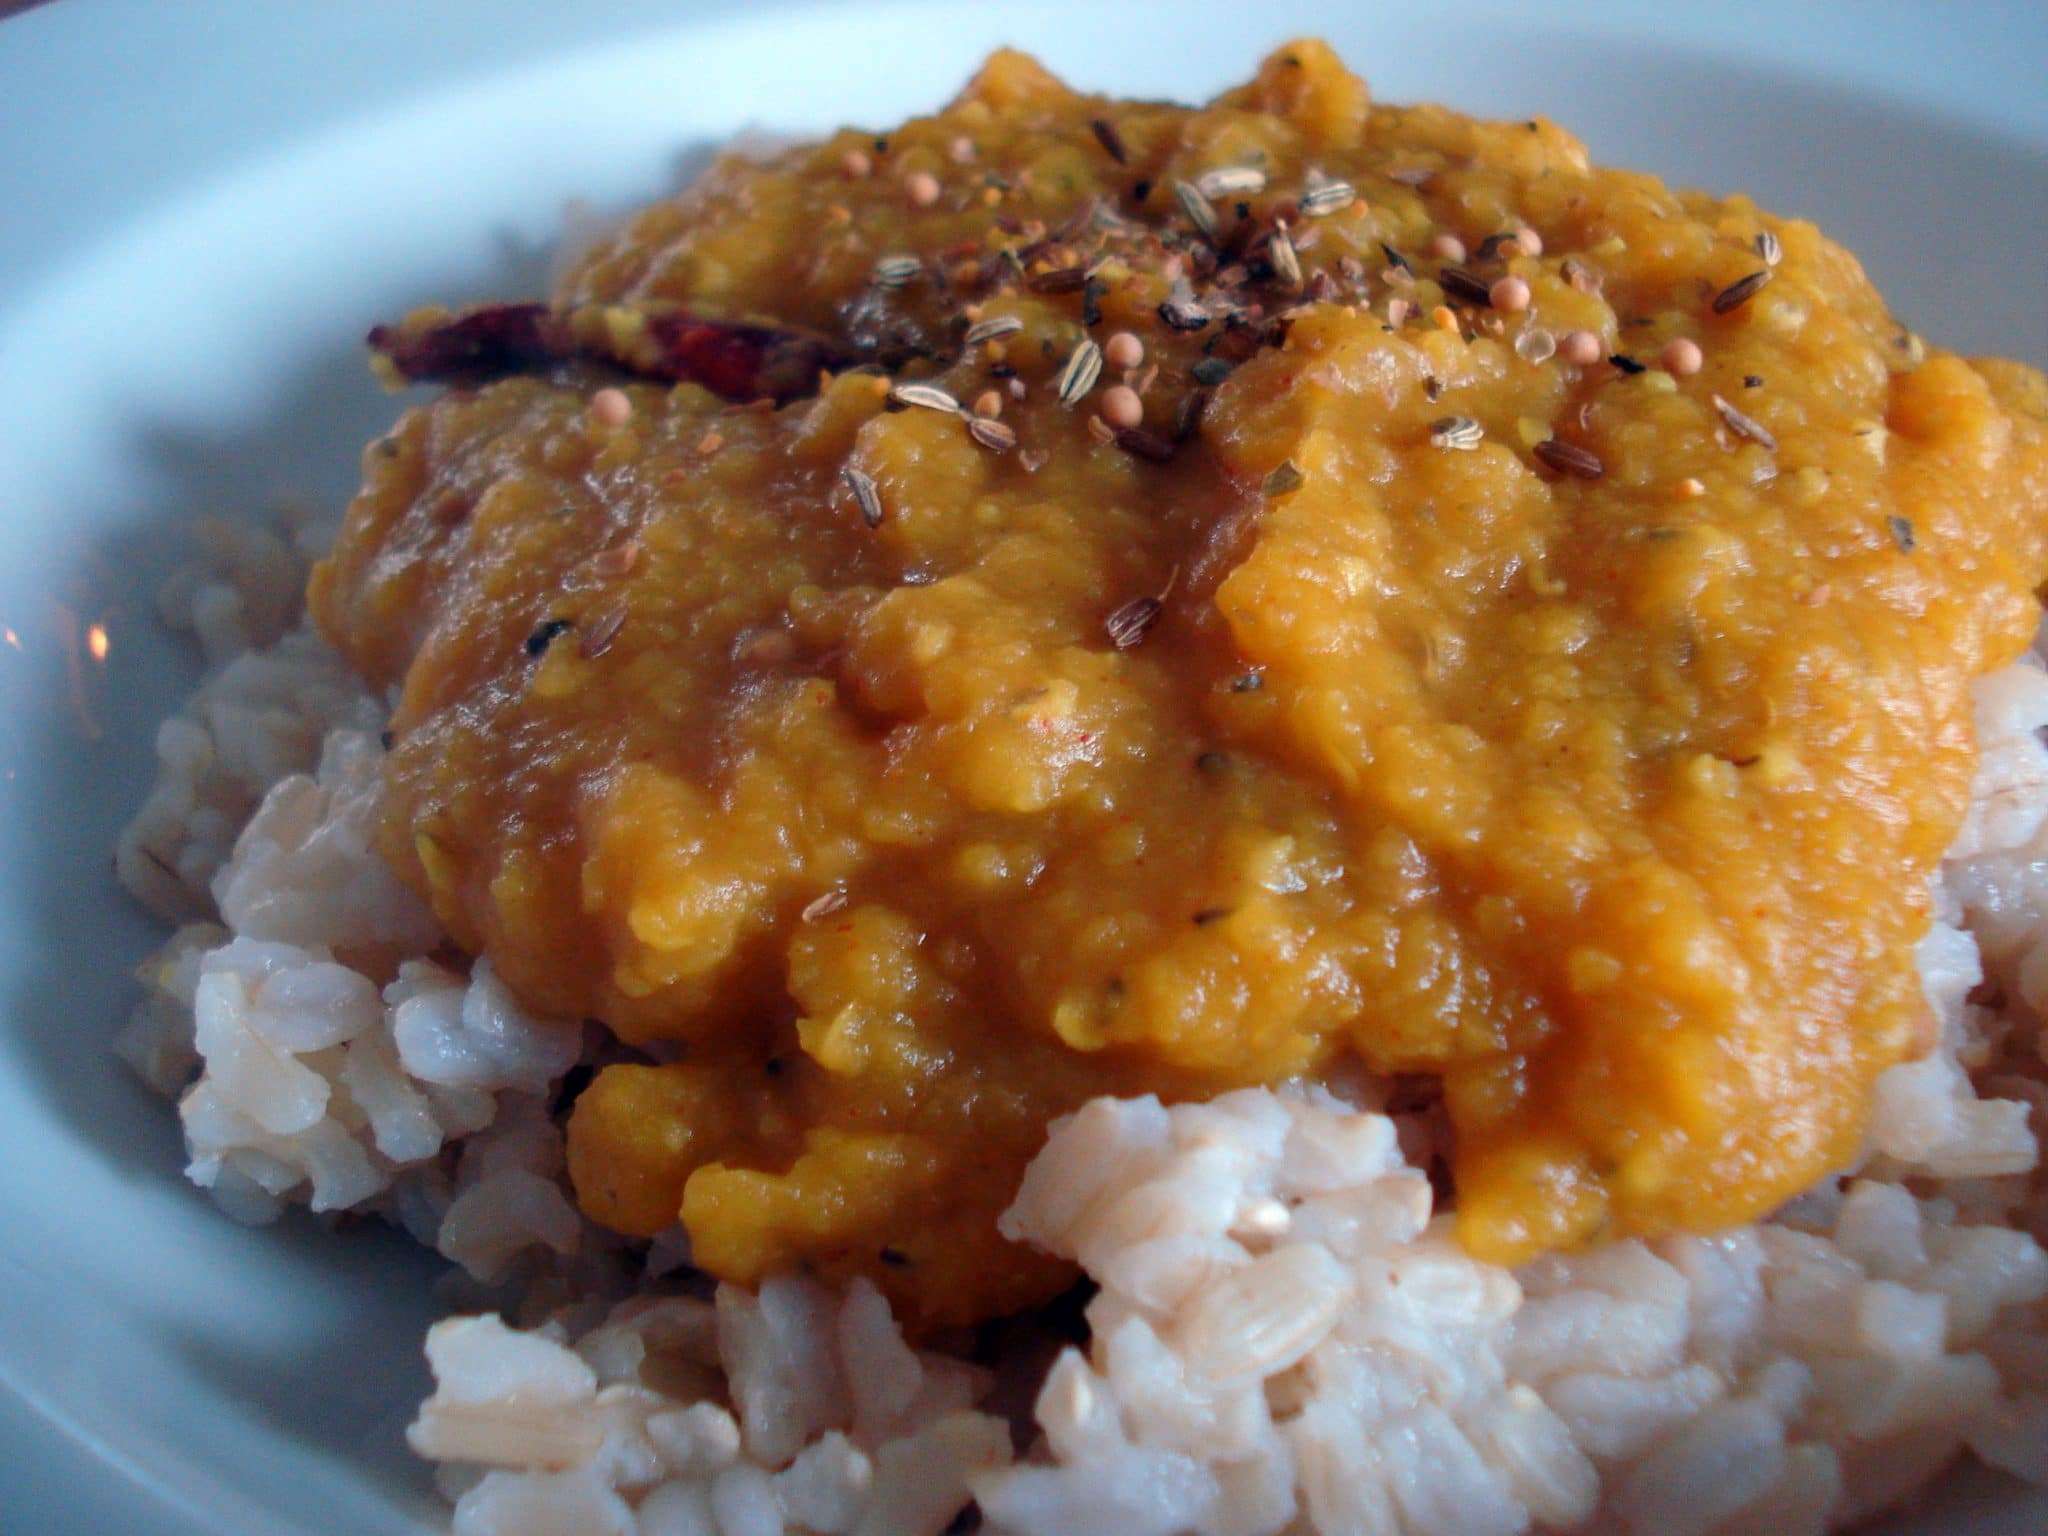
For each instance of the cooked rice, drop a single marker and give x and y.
(1285, 1337)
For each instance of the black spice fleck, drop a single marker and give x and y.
(545, 634)
(1627, 364)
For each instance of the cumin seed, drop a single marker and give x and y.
(1231, 181)
(1083, 367)
(1768, 248)
(1459, 284)
(993, 329)
(1200, 211)
(1460, 432)
(1057, 280)
(1563, 458)
(991, 434)
(1130, 623)
(599, 637)
(1144, 444)
(895, 271)
(865, 496)
(930, 396)
(1286, 263)
(1744, 426)
(1326, 195)
(1741, 291)
(1111, 140)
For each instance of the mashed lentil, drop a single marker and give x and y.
(1410, 688)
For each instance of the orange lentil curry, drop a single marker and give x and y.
(1075, 596)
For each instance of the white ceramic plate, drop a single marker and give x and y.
(202, 205)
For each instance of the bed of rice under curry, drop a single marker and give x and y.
(903, 757)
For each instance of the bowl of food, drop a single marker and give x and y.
(1119, 803)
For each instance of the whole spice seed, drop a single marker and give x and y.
(1325, 196)
(895, 271)
(1083, 367)
(823, 906)
(1187, 418)
(545, 634)
(1110, 139)
(1129, 624)
(599, 637)
(1902, 533)
(1627, 364)
(1744, 426)
(1231, 181)
(1211, 371)
(991, 434)
(1200, 211)
(1461, 285)
(993, 329)
(1455, 432)
(930, 396)
(1395, 259)
(1058, 280)
(865, 496)
(1741, 291)
(1144, 444)
(1286, 264)
(1282, 480)
(1563, 458)
(1768, 249)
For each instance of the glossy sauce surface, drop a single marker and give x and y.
(1338, 717)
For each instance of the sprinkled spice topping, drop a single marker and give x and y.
(1462, 286)
(1902, 533)
(1143, 444)
(1247, 682)
(1211, 371)
(1231, 181)
(1510, 295)
(1121, 406)
(1455, 432)
(1395, 259)
(1744, 426)
(865, 496)
(1768, 250)
(930, 396)
(1741, 291)
(896, 271)
(1286, 264)
(612, 407)
(1123, 350)
(599, 637)
(1200, 211)
(823, 906)
(1627, 364)
(1180, 310)
(1058, 280)
(1682, 357)
(1130, 623)
(993, 329)
(1282, 480)
(1326, 195)
(1111, 140)
(1082, 368)
(545, 634)
(1563, 458)
(991, 434)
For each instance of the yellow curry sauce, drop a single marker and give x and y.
(1402, 692)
